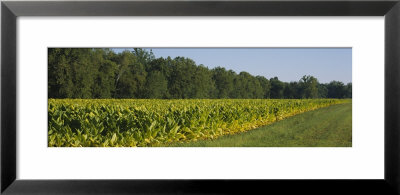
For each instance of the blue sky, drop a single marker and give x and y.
(288, 64)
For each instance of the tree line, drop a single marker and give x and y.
(103, 73)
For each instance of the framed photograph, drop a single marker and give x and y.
(205, 97)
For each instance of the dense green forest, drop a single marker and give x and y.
(102, 73)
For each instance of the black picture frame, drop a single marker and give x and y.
(10, 10)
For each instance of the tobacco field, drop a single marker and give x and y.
(156, 122)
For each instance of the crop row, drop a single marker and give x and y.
(129, 122)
